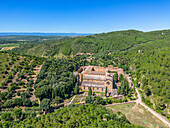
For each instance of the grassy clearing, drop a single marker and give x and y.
(93, 92)
(7, 48)
(59, 56)
(9, 45)
(136, 114)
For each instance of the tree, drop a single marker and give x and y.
(57, 99)
(118, 90)
(90, 92)
(45, 104)
(99, 100)
(107, 101)
(147, 90)
(26, 101)
(89, 99)
(6, 116)
(160, 103)
(17, 113)
(121, 77)
(43, 92)
(17, 101)
(76, 89)
(8, 104)
(115, 77)
(81, 78)
(106, 91)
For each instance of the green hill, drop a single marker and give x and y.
(99, 43)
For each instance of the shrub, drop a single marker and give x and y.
(8, 104)
(17, 101)
(26, 102)
(18, 93)
(45, 104)
(6, 116)
(34, 103)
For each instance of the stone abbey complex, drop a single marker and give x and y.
(98, 78)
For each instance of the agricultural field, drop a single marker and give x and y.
(5, 47)
(136, 114)
(17, 77)
(9, 45)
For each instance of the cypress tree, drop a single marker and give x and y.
(106, 91)
(118, 90)
(121, 77)
(76, 89)
(90, 92)
(116, 77)
(81, 78)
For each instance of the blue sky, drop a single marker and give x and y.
(83, 16)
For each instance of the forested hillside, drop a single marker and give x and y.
(150, 67)
(74, 117)
(146, 55)
(99, 43)
(56, 79)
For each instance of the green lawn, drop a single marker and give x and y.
(136, 114)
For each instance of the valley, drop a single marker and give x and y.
(82, 72)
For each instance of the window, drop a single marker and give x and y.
(102, 89)
(97, 89)
(84, 87)
(93, 88)
(107, 83)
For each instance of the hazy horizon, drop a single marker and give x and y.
(81, 32)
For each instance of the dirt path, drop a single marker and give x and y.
(38, 69)
(2, 49)
(159, 116)
(71, 100)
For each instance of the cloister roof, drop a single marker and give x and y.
(96, 77)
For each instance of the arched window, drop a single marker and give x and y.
(108, 83)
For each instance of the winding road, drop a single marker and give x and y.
(159, 116)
